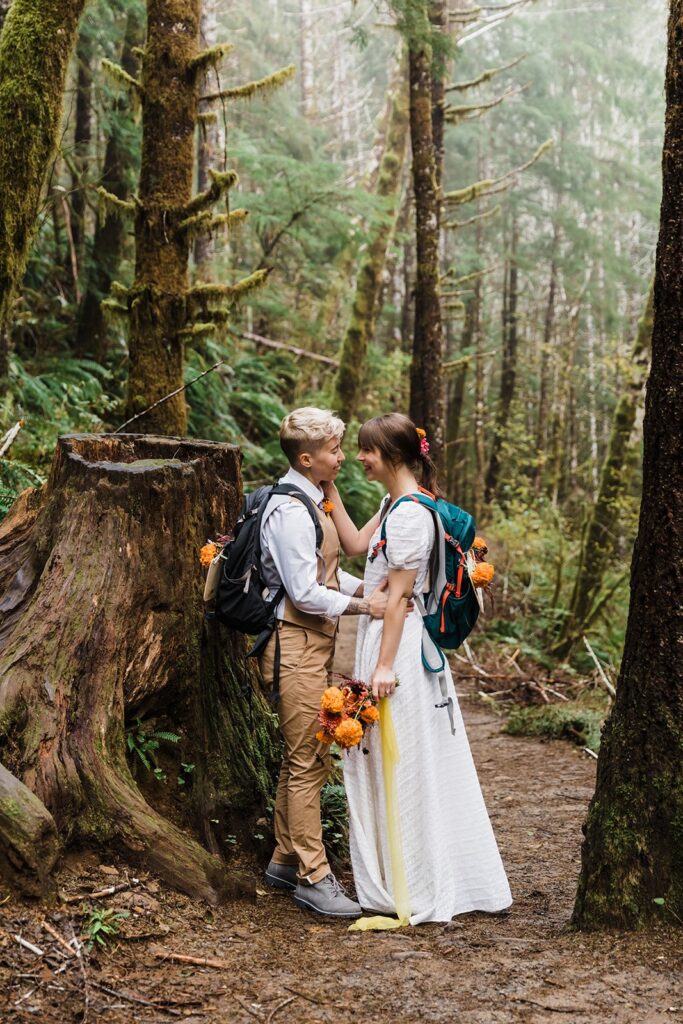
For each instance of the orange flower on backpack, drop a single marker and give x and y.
(483, 575)
(208, 553)
(332, 700)
(327, 506)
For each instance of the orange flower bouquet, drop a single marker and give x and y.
(346, 712)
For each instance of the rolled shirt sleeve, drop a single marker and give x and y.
(290, 536)
(348, 584)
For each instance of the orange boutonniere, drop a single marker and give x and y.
(328, 506)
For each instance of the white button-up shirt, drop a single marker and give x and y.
(288, 556)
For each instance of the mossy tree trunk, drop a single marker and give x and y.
(602, 528)
(364, 310)
(634, 832)
(157, 302)
(100, 627)
(508, 375)
(85, 52)
(92, 332)
(426, 378)
(207, 140)
(4, 8)
(36, 43)
(544, 370)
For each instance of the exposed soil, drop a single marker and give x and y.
(281, 964)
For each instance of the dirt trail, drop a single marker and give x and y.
(283, 965)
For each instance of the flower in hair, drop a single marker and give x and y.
(424, 443)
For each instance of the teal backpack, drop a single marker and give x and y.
(450, 608)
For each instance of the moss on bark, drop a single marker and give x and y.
(602, 527)
(157, 301)
(633, 851)
(97, 631)
(364, 310)
(36, 43)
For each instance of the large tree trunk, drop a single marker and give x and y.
(508, 375)
(365, 306)
(36, 43)
(603, 525)
(101, 624)
(426, 378)
(634, 832)
(4, 8)
(544, 371)
(85, 52)
(92, 333)
(207, 140)
(169, 114)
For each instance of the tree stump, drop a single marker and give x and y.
(102, 626)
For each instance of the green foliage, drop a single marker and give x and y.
(534, 549)
(101, 925)
(569, 721)
(335, 819)
(143, 743)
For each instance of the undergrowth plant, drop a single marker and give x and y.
(143, 743)
(101, 925)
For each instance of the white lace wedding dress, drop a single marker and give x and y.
(451, 858)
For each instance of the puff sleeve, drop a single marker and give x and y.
(410, 536)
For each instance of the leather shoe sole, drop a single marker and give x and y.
(305, 905)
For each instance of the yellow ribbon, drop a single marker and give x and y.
(390, 758)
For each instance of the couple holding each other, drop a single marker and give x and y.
(451, 859)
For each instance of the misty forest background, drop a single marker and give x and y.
(554, 116)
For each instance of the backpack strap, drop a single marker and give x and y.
(433, 658)
(262, 639)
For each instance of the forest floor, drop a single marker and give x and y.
(276, 963)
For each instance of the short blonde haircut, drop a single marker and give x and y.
(307, 430)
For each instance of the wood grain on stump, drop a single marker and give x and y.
(101, 624)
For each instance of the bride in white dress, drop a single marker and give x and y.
(450, 857)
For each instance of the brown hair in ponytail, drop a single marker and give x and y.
(396, 438)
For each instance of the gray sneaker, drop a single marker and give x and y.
(326, 897)
(281, 876)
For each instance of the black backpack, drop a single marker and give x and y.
(242, 595)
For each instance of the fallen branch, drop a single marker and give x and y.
(10, 436)
(135, 999)
(587, 750)
(182, 958)
(46, 926)
(270, 343)
(36, 950)
(276, 1009)
(111, 890)
(601, 672)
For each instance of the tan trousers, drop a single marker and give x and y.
(305, 666)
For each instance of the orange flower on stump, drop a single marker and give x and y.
(332, 700)
(349, 733)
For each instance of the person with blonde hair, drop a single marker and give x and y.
(299, 653)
